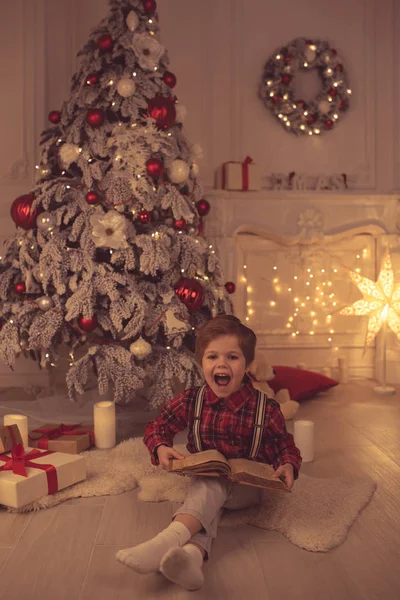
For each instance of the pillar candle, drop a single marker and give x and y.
(104, 425)
(304, 439)
(343, 370)
(22, 422)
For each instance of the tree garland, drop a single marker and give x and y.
(277, 90)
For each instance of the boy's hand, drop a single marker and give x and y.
(165, 454)
(286, 472)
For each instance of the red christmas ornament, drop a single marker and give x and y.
(149, 6)
(203, 207)
(20, 287)
(88, 324)
(288, 58)
(162, 110)
(276, 99)
(170, 79)
(333, 51)
(333, 92)
(309, 42)
(342, 105)
(55, 117)
(92, 198)
(328, 124)
(190, 292)
(179, 224)
(92, 79)
(230, 287)
(301, 103)
(21, 212)
(286, 79)
(95, 117)
(310, 119)
(105, 42)
(339, 68)
(144, 217)
(154, 167)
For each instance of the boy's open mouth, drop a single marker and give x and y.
(222, 380)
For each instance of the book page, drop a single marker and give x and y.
(200, 458)
(243, 465)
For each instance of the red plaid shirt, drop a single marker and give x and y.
(227, 426)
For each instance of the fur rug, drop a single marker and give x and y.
(316, 516)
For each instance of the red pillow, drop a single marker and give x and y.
(300, 383)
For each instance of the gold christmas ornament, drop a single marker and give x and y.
(132, 21)
(126, 87)
(45, 303)
(140, 348)
(381, 301)
(45, 221)
(178, 172)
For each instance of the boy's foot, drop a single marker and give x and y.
(146, 557)
(183, 566)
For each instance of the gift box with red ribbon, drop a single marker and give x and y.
(243, 176)
(71, 439)
(9, 437)
(28, 475)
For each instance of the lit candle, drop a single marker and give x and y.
(304, 439)
(104, 425)
(22, 422)
(343, 370)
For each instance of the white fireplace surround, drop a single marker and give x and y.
(265, 229)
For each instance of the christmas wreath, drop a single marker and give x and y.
(277, 90)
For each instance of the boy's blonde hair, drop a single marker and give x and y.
(226, 325)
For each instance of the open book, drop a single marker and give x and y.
(211, 463)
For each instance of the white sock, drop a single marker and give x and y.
(146, 557)
(183, 566)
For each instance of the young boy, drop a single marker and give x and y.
(222, 416)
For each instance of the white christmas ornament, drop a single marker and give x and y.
(195, 169)
(109, 230)
(174, 325)
(324, 106)
(45, 221)
(45, 303)
(132, 21)
(140, 348)
(126, 87)
(181, 112)
(178, 172)
(197, 151)
(148, 51)
(69, 154)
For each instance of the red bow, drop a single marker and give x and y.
(51, 433)
(18, 461)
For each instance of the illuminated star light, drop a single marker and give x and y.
(381, 301)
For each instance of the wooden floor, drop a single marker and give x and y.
(67, 553)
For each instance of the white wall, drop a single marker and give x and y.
(217, 49)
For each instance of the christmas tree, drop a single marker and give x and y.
(109, 258)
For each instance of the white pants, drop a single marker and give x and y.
(206, 499)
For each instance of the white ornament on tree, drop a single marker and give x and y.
(140, 348)
(174, 325)
(109, 230)
(195, 169)
(45, 303)
(132, 21)
(69, 154)
(45, 221)
(178, 172)
(310, 54)
(126, 87)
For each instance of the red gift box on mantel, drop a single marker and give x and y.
(28, 475)
(9, 437)
(71, 439)
(236, 176)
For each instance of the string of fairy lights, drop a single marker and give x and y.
(309, 293)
